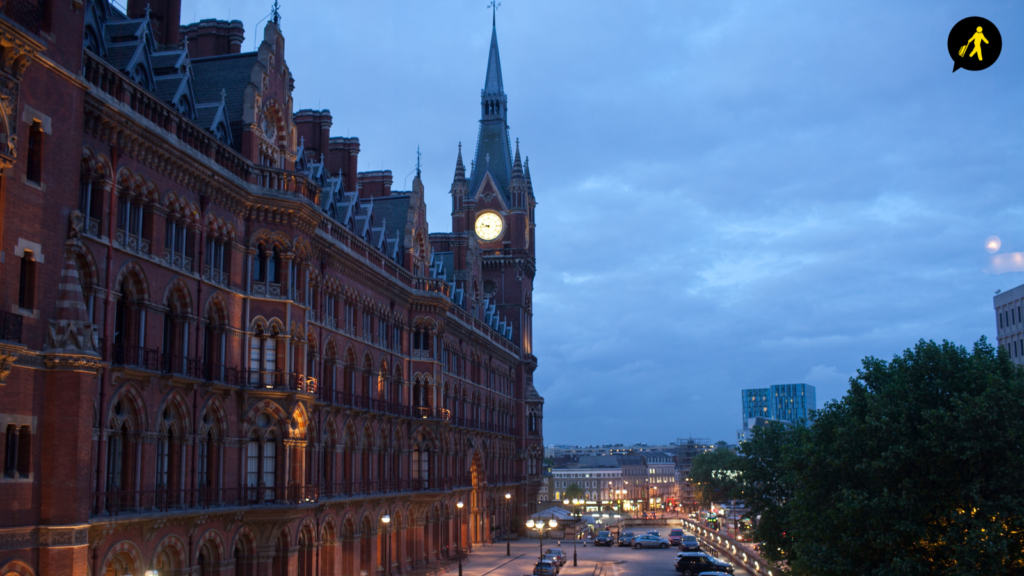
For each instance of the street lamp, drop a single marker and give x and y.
(508, 543)
(386, 519)
(459, 541)
(575, 527)
(539, 527)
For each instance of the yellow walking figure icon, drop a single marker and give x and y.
(980, 35)
(978, 38)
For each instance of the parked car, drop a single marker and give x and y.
(626, 539)
(557, 553)
(654, 533)
(689, 543)
(604, 538)
(554, 560)
(545, 568)
(693, 563)
(675, 535)
(649, 541)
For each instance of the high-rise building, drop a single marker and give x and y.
(1009, 323)
(784, 402)
(225, 350)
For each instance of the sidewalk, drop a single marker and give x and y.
(491, 560)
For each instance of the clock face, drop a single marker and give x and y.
(488, 226)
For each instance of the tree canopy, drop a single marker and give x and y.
(918, 469)
(573, 491)
(715, 475)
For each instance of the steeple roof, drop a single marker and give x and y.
(492, 83)
(493, 148)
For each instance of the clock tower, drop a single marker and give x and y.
(493, 212)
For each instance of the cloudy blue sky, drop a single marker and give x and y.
(731, 194)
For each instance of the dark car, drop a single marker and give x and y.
(675, 535)
(693, 563)
(689, 543)
(604, 539)
(626, 539)
(654, 533)
(545, 568)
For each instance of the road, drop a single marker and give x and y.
(615, 561)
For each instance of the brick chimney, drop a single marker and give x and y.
(343, 154)
(376, 184)
(212, 37)
(314, 128)
(164, 16)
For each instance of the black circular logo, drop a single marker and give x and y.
(974, 44)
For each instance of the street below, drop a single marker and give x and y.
(598, 561)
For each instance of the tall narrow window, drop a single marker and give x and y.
(259, 263)
(252, 463)
(27, 281)
(204, 461)
(273, 266)
(11, 451)
(163, 453)
(269, 466)
(34, 163)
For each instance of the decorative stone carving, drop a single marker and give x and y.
(6, 364)
(76, 220)
(17, 539)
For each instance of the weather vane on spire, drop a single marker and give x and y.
(494, 11)
(276, 11)
(417, 161)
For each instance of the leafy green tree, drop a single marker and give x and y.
(917, 470)
(573, 491)
(715, 475)
(768, 472)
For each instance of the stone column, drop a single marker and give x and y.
(65, 459)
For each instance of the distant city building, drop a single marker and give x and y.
(598, 476)
(561, 450)
(782, 402)
(1009, 324)
(661, 477)
(686, 451)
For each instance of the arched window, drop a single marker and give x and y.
(274, 266)
(259, 263)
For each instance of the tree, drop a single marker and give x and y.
(573, 491)
(770, 484)
(715, 475)
(916, 470)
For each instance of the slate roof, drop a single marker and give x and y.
(598, 462)
(230, 73)
(629, 460)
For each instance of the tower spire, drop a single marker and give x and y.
(493, 153)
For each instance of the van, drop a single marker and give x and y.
(675, 535)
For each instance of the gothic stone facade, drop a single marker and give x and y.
(224, 350)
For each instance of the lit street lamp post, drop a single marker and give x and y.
(575, 526)
(539, 527)
(508, 523)
(386, 519)
(459, 533)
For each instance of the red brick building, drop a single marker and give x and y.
(224, 350)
